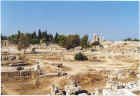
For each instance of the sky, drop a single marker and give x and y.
(116, 20)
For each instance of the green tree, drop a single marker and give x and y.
(23, 42)
(34, 36)
(68, 42)
(50, 36)
(3, 37)
(56, 38)
(39, 34)
(128, 39)
(136, 39)
(84, 41)
(76, 40)
(44, 35)
(18, 34)
(13, 38)
(34, 39)
(96, 43)
(61, 40)
(72, 41)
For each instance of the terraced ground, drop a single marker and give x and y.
(90, 74)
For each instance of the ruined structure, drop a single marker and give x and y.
(15, 69)
(5, 43)
(98, 37)
(113, 62)
(71, 89)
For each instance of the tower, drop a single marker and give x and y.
(101, 38)
(95, 37)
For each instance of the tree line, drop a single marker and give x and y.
(23, 40)
(130, 39)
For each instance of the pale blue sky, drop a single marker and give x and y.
(116, 20)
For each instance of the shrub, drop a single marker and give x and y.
(80, 56)
(96, 43)
(20, 68)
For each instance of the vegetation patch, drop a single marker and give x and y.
(80, 56)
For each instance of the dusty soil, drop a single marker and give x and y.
(88, 73)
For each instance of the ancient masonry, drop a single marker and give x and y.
(112, 88)
(98, 37)
(5, 43)
(21, 75)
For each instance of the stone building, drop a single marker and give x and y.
(72, 88)
(95, 37)
(98, 37)
(5, 43)
(57, 91)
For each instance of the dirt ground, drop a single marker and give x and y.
(88, 73)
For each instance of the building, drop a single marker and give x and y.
(5, 43)
(98, 37)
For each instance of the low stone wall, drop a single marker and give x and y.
(24, 75)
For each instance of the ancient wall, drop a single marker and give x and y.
(23, 75)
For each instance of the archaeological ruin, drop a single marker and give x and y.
(111, 70)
